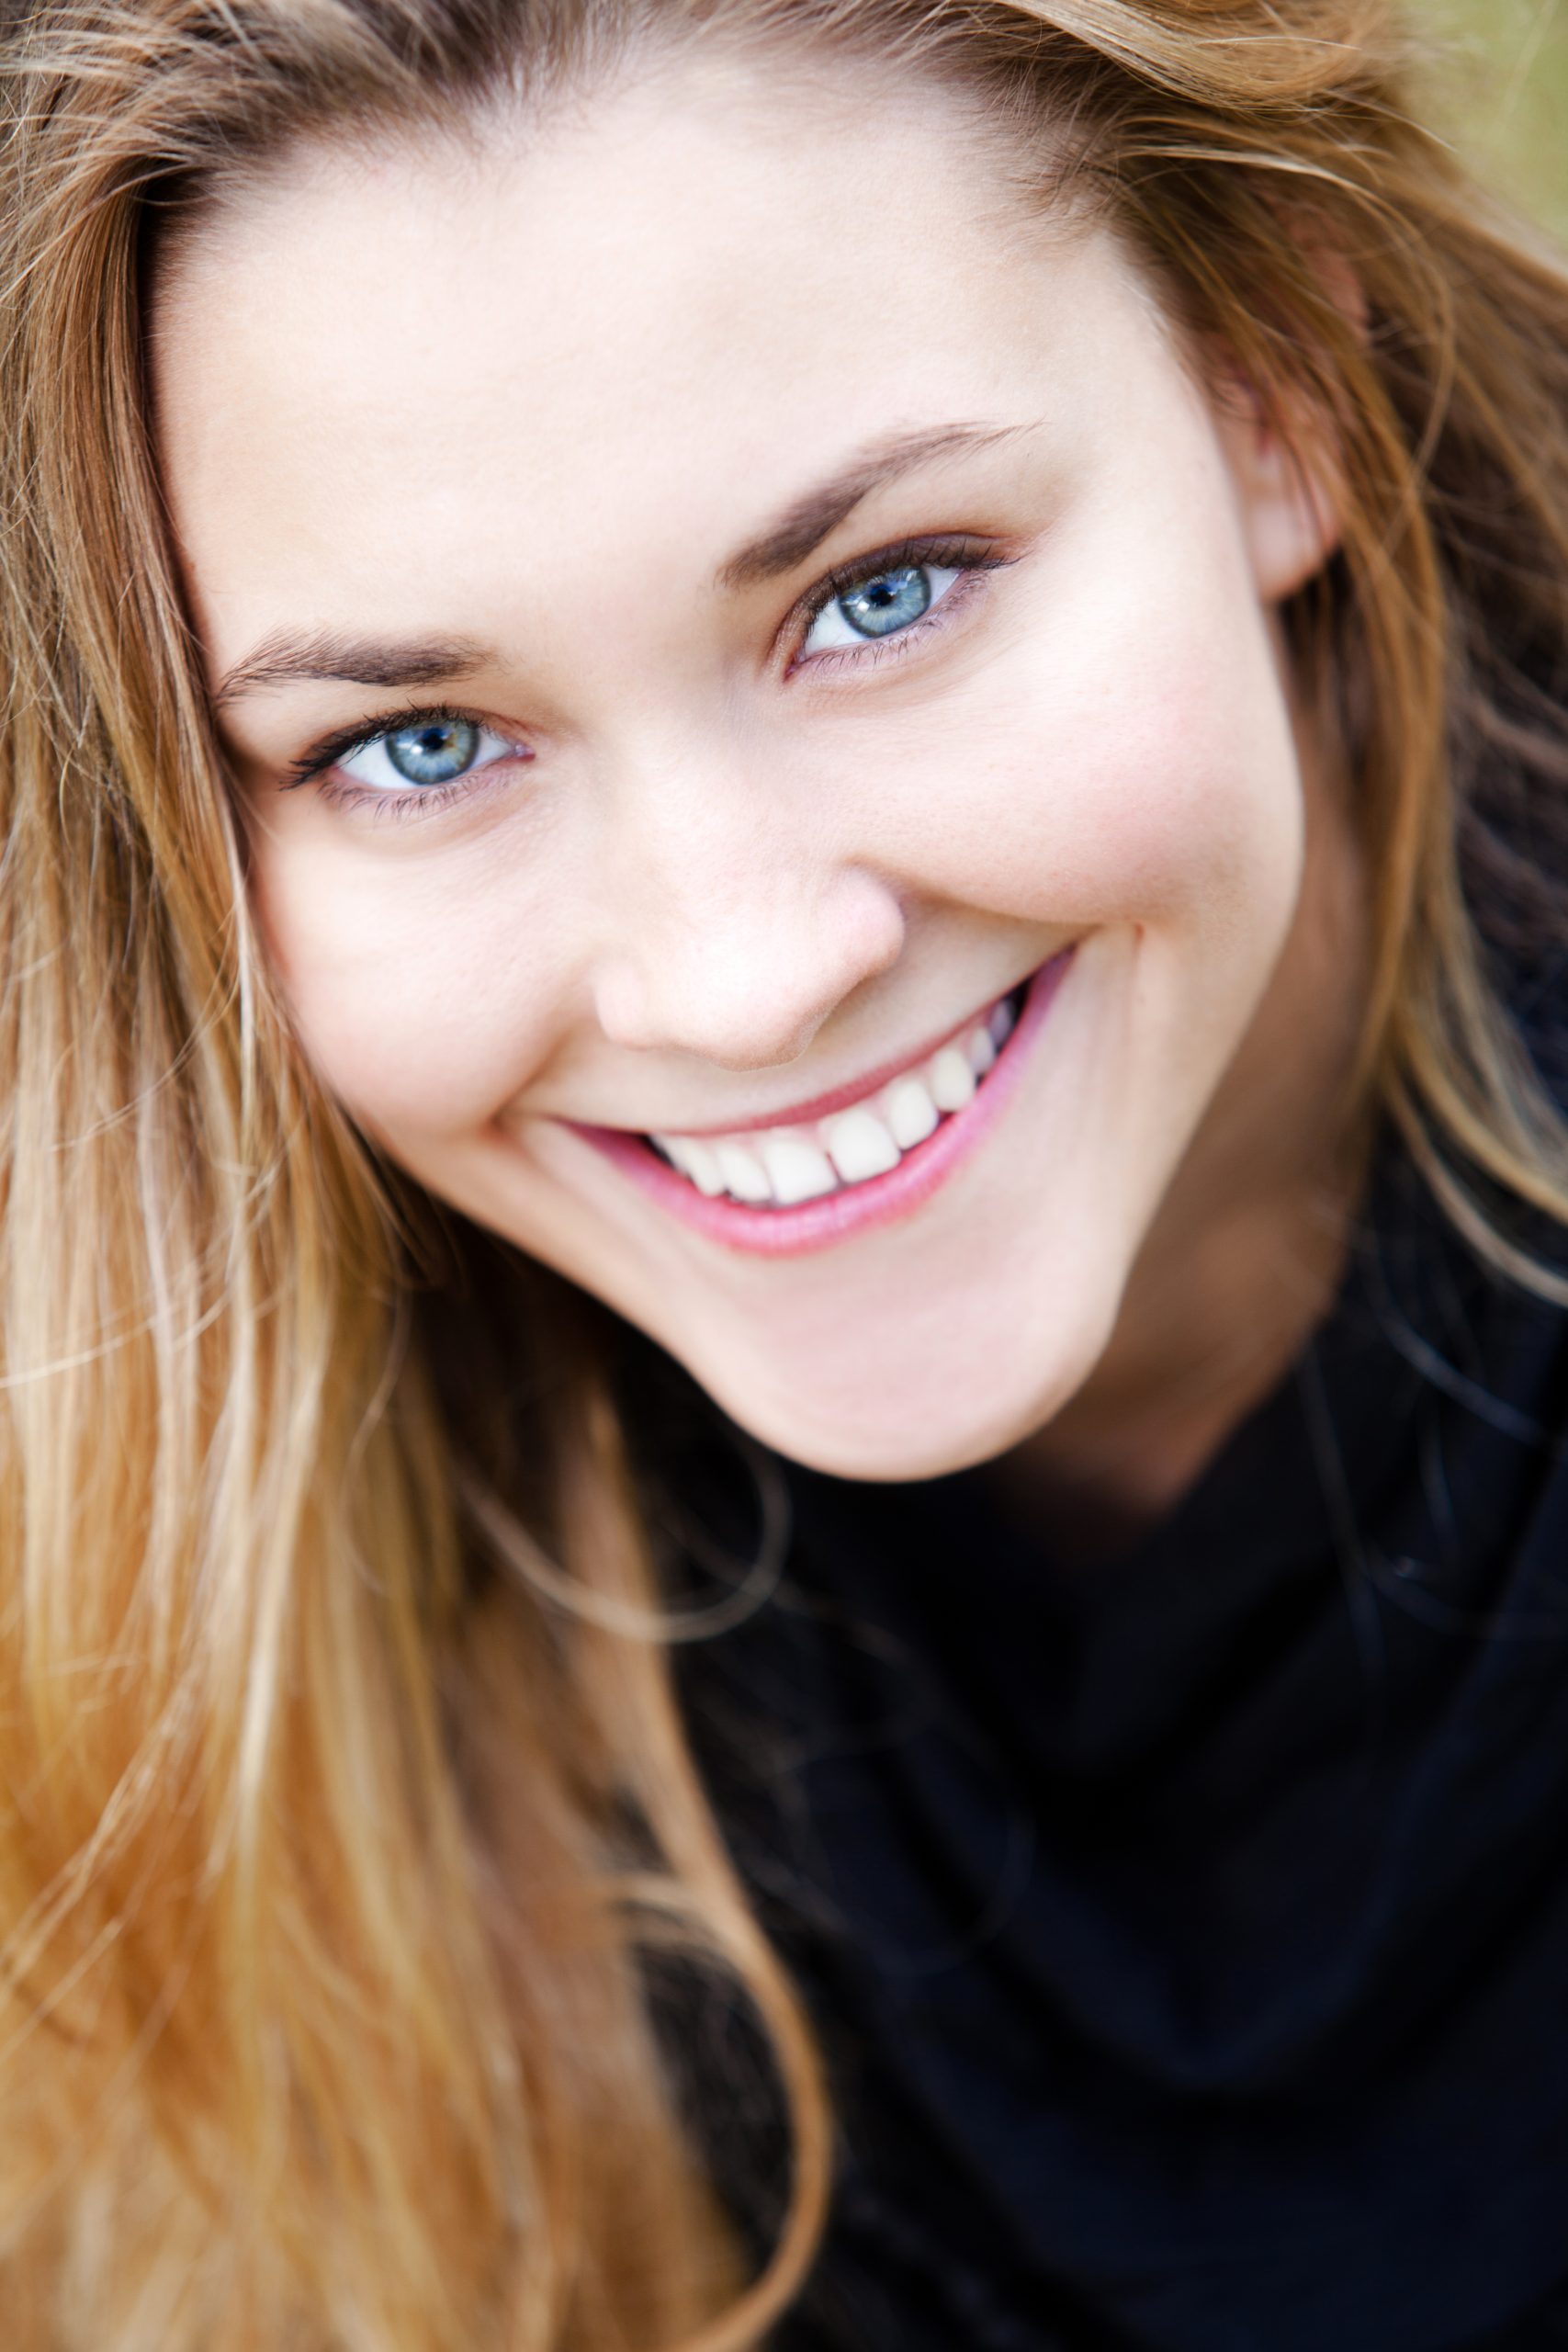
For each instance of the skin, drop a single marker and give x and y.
(532, 392)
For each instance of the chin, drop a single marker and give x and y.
(885, 1431)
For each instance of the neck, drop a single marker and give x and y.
(1196, 1352)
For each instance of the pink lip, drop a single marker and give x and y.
(816, 1225)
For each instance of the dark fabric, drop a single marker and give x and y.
(1189, 1933)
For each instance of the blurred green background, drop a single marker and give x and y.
(1503, 89)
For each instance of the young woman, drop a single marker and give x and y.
(785, 1372)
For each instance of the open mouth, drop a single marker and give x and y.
(855, 1162)
(783, 1167)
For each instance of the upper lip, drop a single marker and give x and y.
(855, 1090)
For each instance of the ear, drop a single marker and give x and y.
(1289, 488)
(1283, 454)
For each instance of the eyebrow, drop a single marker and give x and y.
(804, 525)
(288, 656)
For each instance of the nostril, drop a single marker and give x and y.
(742, 970)
(718, 1020)
(756, 1004)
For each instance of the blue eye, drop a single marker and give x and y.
(889, 602)
(879, 606)
(437, 753)
(430, 752)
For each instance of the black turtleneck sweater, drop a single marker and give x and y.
(1189, 1933)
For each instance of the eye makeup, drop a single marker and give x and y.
(964, 556)
(314, 763)
(968, 556)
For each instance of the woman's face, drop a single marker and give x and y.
(724, 620)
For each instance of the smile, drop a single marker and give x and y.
(788, 1186)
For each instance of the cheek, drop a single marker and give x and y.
(424, 1001)
(1118, 769)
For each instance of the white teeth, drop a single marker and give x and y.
(858, 1146)
(910, 1114)
(694, 1161)
(743, 1174)
(799, 1170)
(789, 1165)
(951, 1079)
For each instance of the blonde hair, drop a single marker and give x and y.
(347, 1795)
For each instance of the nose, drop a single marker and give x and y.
(736, 927)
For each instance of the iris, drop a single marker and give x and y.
(438, 750)
(890, 601)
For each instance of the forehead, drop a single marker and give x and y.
(402, 351)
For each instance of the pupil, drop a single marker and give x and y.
(877, 607)
(436, 752)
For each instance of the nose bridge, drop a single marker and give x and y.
(736, 919)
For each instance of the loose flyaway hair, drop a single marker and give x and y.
(348, 1817)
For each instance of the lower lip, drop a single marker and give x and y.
(816, 1225)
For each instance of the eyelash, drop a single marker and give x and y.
(315, 766)
(961, 555)
(966, 556)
